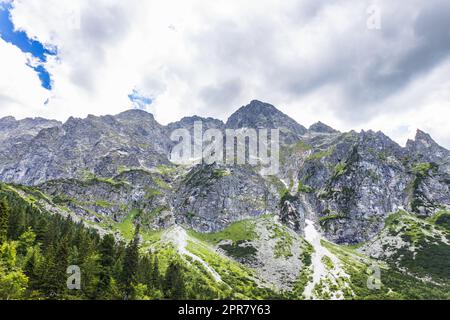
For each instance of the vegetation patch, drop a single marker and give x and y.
(220, 173)
(395, 285)
(32, 194)
(241, 250)
(190, 215)
(239, 231)
(62, 199)
(321, 154)
(278, 184)
(326, 260)
(103, 204)
(423, 169)
(161, 183)
(442, 219)
(152, 193)
(303, 188)
(325, 220)
(126, 227)
(240, 281)
(301, 146)
(431, 259)
(283, 246)
(429, 256)
(340, 169)
(91, 179)
(167, 170)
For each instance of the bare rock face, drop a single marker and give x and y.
(430, 169)
(112, 200)
(16, 135)
(99, 145)
(354, 181)
(293, 213)
(102, 168)
(210, 197)
(425, 149)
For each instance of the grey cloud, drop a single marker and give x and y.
(305, 10)
(223, 95)
(240, 53)
(430, 47)
(236, 47)
(5, 100)
(370, 69)
(100, 26)
(432, 29)
(369, 66)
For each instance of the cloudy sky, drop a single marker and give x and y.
(378, 64)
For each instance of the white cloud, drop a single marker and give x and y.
(312, 59)
(21, 93)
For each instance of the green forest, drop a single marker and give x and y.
(36, 249)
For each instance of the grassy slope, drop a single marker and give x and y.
(394, 283)
(426, 252)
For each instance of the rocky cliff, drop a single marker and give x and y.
(102, 168)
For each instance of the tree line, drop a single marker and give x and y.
(36, 249)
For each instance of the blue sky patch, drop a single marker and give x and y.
(25, 44)
(139, 100)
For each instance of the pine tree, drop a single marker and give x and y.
(145, 270)
(31, 270)
(174, 283)
(130, 266)
(62, 262)
(54, 277)
(16, 225)
(106, 249)
(45, 270)
(155, 276)
(4, 220)
(40, 227)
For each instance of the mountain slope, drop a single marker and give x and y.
(262, 259)
(287, 234)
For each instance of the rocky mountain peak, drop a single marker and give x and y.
(135, 115)
(320, 127)
(6, 120)
(188, 123)
(424, 138)
(422, 141)
(27, 122)
(258, 114)
(261, 107)
(424, 148)
(29, 127)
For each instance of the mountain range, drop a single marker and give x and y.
(341, 203)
